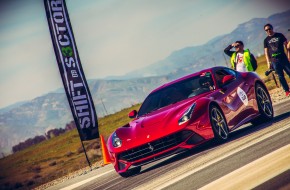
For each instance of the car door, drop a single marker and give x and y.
(233, 96)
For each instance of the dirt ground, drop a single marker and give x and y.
(277, 95)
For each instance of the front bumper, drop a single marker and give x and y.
(171, 144)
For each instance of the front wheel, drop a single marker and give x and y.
(264, 104)
(219, 124)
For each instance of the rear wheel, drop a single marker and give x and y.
(264, 104)
(131, 172)
(219, 124)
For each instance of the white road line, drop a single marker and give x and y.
(160, 184)
(85, 181)
(256, 172)
(172, 181)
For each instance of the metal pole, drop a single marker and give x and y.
(275, 80)
(104, 106)
(86, 155)
(225, 60)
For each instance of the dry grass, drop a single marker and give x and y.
(56, 157)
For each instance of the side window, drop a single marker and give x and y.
(206, 81)
(221, 73)
(232, 72)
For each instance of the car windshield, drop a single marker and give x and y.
(177, 92)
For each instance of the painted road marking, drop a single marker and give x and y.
(85, 181)
(256, 172)
(162, 185)
(159, 183)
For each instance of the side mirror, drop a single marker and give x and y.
(132, 114)
(227, 79)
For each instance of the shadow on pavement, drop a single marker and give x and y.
(244, 130)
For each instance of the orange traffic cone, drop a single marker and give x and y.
(105, 152)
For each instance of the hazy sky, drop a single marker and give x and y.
(113, 36)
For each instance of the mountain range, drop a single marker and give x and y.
(35, 117)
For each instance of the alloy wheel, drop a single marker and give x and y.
(219, 124)
(264, 102)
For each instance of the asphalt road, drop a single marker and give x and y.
(249, 150)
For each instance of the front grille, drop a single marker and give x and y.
(154, 147)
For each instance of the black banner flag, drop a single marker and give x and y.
(73, 77)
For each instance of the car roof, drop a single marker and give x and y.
(186, 77)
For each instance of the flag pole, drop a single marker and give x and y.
(71, 71)
(86, 155)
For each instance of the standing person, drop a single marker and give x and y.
(241, 60)
(274, 45)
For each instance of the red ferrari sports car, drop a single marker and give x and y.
(187, 112)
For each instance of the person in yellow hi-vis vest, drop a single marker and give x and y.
(241, 59)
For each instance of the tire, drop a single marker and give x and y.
(131, 172)
(219, 124)
(264, 105)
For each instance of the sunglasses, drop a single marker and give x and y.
(268, 29)
(236, 46)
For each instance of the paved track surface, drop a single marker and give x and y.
(205, 166)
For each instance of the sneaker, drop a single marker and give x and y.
(287, 93)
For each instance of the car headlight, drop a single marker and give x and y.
(117, 142)
(187, 115)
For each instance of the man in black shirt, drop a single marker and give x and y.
(274, 45)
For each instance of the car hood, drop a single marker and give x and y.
(154, 125)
